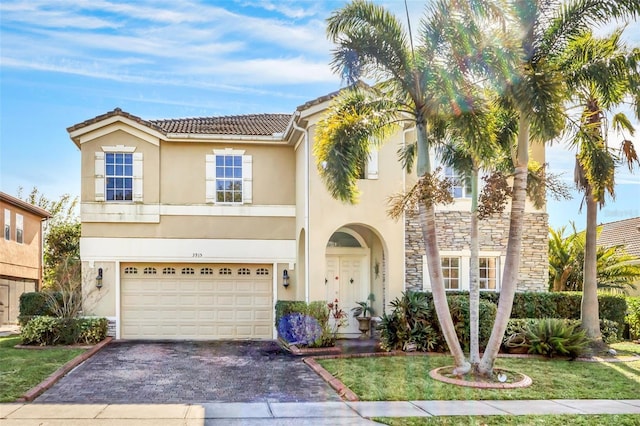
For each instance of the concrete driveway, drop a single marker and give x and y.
(190, 372)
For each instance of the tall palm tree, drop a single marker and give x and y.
(538, 94)
(602, 75)
(421, 85)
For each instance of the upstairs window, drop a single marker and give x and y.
(119, 176)
(7, 224)
(229, 178)
(461, 184)
(19, 229)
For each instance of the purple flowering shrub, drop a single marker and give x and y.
(300, 329)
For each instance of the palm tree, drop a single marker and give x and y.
(602, 74)
(537, 94)
(562, 255)
(420, 85)
(617, 270)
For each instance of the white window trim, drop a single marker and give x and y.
(210, 176)
(100, 171)
(19, 228)
(7, 224)
(465, 267)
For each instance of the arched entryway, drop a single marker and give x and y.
(350, 271)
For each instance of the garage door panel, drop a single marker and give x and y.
(209, 305)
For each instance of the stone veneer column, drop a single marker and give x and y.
(453, 235)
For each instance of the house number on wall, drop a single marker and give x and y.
(197, 255)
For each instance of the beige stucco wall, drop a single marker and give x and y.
(368, 217)
(222, 227)
(120, 136)
(183, 166)
(100, 302)
(21, 260)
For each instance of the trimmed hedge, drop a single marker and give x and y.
(633, 317)
(564, 305)
(48, 330)
(35, 304)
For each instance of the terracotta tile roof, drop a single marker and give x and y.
(243, 125)
(626, 232)
(250, 125)
(110, 114)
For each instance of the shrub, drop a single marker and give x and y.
(633, 316)
(553, 336)
(611, 331)
(299, 329)
(288, 307)
(92, 330)
(409, 324)
(48, 330)
(317, 310)
(36, 304)
(459, 308)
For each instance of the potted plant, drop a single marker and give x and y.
(363, 313)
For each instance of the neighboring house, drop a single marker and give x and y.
(623, 233)
(21, 248)
(195, 227)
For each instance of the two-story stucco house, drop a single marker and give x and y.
(195, 227)
(20, 253)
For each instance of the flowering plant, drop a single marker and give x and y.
(338, 316)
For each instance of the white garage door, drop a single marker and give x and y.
(188, 301)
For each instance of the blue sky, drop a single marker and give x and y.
(63, 62)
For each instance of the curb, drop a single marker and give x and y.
(37, 390)
(343, 391)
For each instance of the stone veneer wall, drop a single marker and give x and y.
(453, 234)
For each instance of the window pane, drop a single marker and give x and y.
(237, 197)
(237, 173)
(227, 197)
(219, 160)
(228, 172)
(219, 172)
(109, 157)
(237, 160)
(128, 170)
(228, 161)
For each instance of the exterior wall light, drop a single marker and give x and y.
(285, 278)
(99, 279)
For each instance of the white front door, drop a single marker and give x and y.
(347, 280)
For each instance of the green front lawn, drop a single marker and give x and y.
(547, 420)
(22, 369)
(406, 378)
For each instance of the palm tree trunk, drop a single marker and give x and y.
(474, 288)
(427, 215)
(589, 312)
(428, 219)
(512, 262)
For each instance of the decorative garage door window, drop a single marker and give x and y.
(206, 271)
(150, 271)
(188, 271)
(168, 271)
(224, 271)
(130, 270)
(244, 271)
(262, 271)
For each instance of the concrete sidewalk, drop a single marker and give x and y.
(293, 413)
